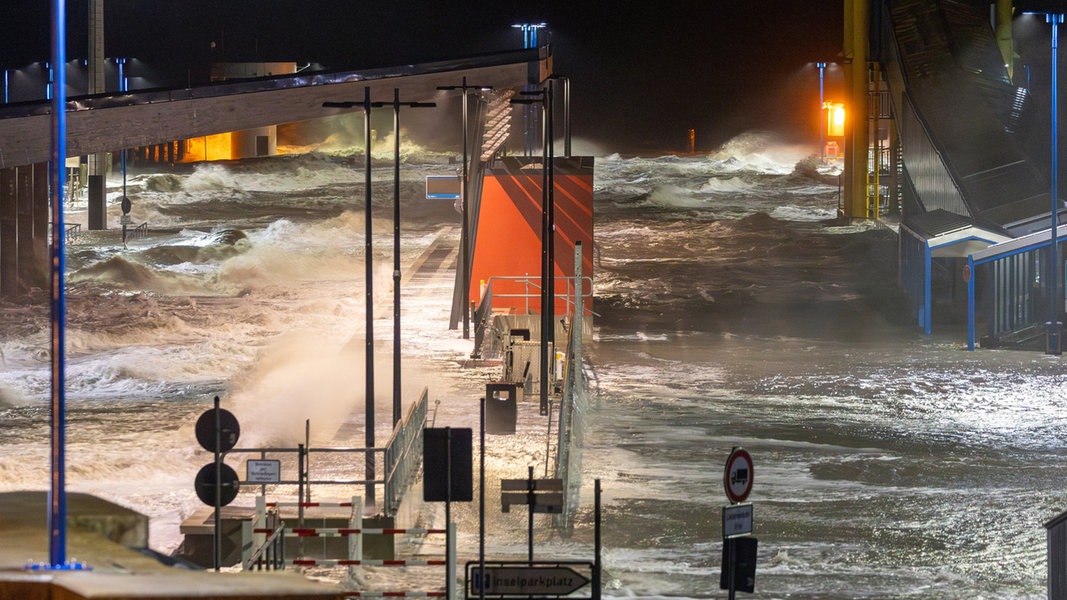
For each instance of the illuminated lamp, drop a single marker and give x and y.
(835, 119)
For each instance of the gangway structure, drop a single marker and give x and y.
(969, 182)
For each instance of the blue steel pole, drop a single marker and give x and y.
(1053, 271)
(57, 500)
(822, 131)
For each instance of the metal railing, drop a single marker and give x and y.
(499, 288)
(403, 454)
(402, 457)
(531, 289)
(140, 231)
(72, 233)
(269, 550)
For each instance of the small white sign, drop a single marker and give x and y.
(263, 471)
(736, 520)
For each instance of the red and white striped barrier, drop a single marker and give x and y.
(395, 595)
(346, 531)
(310, 504)
(351, 562)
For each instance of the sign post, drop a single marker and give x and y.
(739, 548)
(541, 495)
(448, 468)
(217, 431)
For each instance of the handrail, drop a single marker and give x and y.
(140, 231)
(73, 231)
(534, 283)
(401, 457)
(274, 546)
(484, 309)
(403, 453)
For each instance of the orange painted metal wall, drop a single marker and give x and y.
(508, 241)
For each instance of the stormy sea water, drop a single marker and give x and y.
(732, 310)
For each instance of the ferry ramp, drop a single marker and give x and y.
(972, 175)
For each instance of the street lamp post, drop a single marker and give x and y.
(125, 205)
(369, 275)
(529, 40)
(396, 104)
(465, 251)
(57, 497)
(548, 300)
(1054, 324)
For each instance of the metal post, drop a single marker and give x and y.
(396, 259)
(546, 297)
(57, 518)
(530, 499)
(1054, 325)
(566, 116)
(822, 132)
(596, 539)
(218, 487)
(464, 237)
(450, 568)
(368, 251)
(731, 562)
(465, 229)
(481, 501)
(300, 495)
(307, 462)
(396, 104)
(550, 145)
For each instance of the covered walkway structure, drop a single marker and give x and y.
(111, 122)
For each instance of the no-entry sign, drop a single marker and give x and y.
(737, 477)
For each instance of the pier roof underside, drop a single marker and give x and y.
(109, 122)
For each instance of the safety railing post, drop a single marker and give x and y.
(355, 542)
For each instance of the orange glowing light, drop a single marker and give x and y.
(835, 119)
(209, 147)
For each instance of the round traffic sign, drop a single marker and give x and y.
(205, 484)
(737, 477)
(205, 430)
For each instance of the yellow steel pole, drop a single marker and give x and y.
(1004, 36)
(856, 45)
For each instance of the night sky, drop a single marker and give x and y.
(642, 73)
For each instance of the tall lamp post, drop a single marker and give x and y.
(464, 236)
(529, 40)
(1054, 324)
(396, 104)
(57, 497)
(548, 298)
(822, 101)
(369, 260)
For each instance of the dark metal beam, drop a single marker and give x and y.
(105, 123)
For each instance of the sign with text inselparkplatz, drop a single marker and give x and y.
(736, 520)
(532, 580)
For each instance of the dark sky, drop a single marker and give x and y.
(642, 73)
